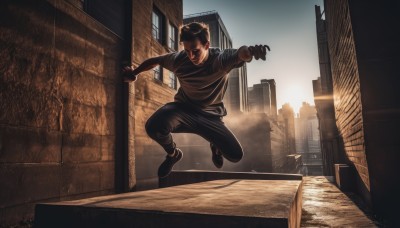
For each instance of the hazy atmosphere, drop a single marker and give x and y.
(287, 26)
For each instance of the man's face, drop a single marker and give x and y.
(196, 51)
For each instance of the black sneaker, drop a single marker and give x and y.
(166, 167)
(217, 158)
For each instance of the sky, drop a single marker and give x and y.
(287, 27)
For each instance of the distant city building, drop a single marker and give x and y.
(308, 141)
(274, 106)
(286, 120)
(236, 96)
(262, 98)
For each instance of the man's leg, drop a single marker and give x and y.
(172, 117)
(214, 130)
(169, 118)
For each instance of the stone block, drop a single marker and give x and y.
(30, 145)
(80, 178)
(25, 106)
(81, 148)
(23, 183)
(79, 118)
(89, 89)
(108, 147)
(221, 203)
(345, 177)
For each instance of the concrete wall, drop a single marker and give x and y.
(148, 93)
(59, 88)
(363, 46)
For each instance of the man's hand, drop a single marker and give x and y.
(259, 51)
(128, 75)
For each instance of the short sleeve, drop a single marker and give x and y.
(229, 59)
(168, 61)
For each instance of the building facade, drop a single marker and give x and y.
(331, 147)
(286, 120)
(363, 53)
(155, 32)
(69, 126)
(274, 105)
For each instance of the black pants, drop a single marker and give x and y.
(179, 118)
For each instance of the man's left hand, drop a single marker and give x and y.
(259, 51)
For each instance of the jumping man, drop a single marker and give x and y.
(202, 72)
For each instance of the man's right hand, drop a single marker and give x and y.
(127, 74)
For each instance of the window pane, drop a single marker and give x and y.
(155, 25)
(172, 80)
(172, 38)
(157, 73)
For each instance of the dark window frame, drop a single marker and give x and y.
(161, 25)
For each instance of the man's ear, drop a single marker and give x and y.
(207, 45)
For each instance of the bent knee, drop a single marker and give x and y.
(235, 156)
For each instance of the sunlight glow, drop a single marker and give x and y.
(294, 95)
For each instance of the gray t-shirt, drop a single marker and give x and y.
(204, 86)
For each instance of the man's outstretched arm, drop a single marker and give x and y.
(130, 74)
(258, 51)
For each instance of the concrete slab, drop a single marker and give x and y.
(220, 203)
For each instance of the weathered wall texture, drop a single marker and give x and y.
(150, 94)
(346, 85)
(59, 74)
(363, 46)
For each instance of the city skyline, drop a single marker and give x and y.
(288, 27)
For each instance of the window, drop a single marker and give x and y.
(158, 73)
(172, 80)
(157, 25)
(172, 36)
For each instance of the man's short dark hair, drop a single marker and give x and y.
(193, 31)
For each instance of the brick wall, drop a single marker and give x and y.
(59, 73)
(375, 28)
(364, 47)
(346, 86)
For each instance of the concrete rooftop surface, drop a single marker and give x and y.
(219, 203)
(324, 205)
